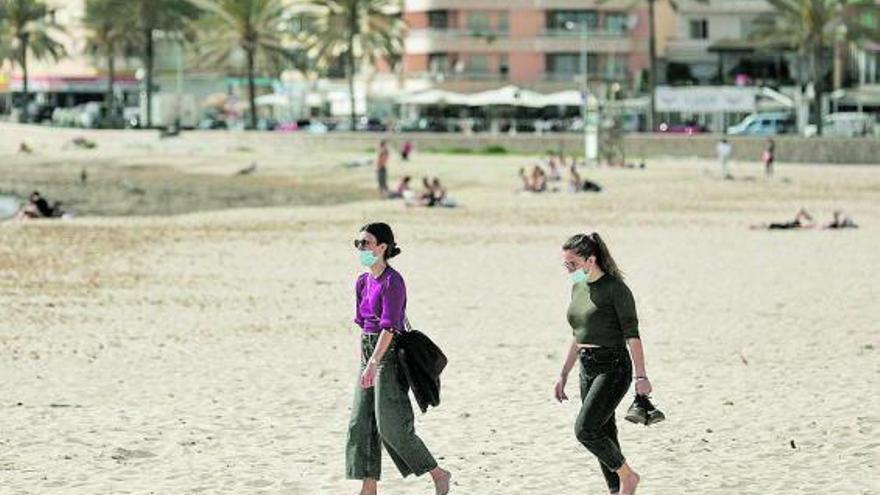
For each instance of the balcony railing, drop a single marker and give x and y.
(464, 76)
(456, 33)
(577, 77)
(578, 32)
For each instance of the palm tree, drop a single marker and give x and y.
(110, 29)
(254, 28)
(813, 27)
(31, 30)
(164, 15)
(367, 30)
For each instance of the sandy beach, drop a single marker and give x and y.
(196, 337)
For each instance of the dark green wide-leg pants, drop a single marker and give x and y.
(383, 415)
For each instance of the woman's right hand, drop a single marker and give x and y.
(559, 389)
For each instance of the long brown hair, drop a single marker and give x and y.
(586, 245)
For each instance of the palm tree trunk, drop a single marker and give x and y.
(23, 42)
(252, 99)
(111, 76)
(352, 27)
(148, 80)
(652, 57)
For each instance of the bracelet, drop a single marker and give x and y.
(637, 378)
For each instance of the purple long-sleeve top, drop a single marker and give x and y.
(381, 302)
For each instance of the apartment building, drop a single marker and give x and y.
(711, 45)
(470, 45)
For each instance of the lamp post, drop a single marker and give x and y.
(591, 139)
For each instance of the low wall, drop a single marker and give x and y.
(788, 148)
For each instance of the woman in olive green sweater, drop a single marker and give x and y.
(602, 316)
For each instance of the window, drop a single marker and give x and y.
(699, 29)
(558, 19)
(569, 64)
(479, 22)
(478, 64)
(438, 19)
(438, 63)
(616, 22)
(615, 66)
(503, 22)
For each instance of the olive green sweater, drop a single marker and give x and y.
(603, 312)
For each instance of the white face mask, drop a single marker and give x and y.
(578, 276)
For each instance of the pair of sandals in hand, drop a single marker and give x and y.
(642, 411)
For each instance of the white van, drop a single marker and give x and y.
(764, 124)
(844, 124)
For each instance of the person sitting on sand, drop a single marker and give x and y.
(402, 187)
(539, 179)
(38, 207)
(554, 174)
(803, 220)
(25, 148)
(526, 181)
(577, 184)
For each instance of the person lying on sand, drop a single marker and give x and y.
(803, 220)
(841, 221)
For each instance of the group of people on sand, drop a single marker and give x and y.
(803, 220)
(538, 181)
(603, 347)
(433, 192)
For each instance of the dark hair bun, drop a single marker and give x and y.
(392, 252)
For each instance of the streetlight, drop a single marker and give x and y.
(590, 137)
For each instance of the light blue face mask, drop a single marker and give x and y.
(367, 258)
(578, 276)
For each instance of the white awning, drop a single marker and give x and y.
(434, 97)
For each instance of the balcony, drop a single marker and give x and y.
(578, 78)
(591, 33)
(456, 40)
(452, 76)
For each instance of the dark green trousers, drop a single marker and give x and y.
(382, 415)
(606, 374)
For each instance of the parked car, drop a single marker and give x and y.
(686, 128)
(764, 124)
(845, 124)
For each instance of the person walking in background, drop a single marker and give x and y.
(768, 157)
(602, 315)
(382, 413)
(382, 168)
(406, 150)
(724, 150)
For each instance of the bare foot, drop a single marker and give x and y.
(629, 483)
(441, 480)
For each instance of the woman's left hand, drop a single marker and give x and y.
(368, 377)
(643, 387)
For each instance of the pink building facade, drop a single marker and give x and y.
(476, 44)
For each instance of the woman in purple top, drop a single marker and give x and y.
(381, 413)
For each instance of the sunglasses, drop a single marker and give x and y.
(361, 243)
